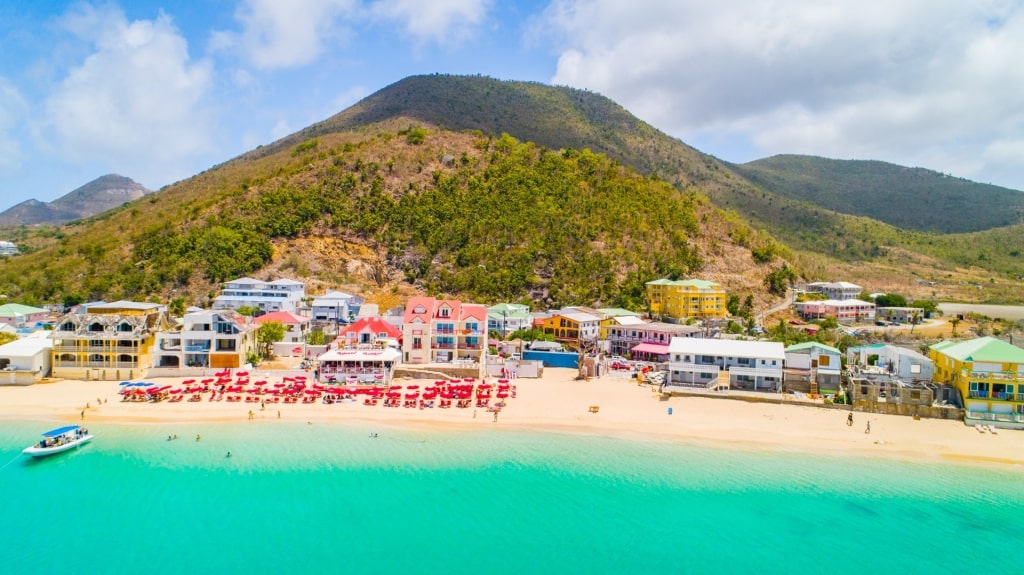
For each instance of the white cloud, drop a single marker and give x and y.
(135, 104)
(12, 107)
(924, 82)
(284, 34)
(445, 22)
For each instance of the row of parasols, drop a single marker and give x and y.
(444, 393)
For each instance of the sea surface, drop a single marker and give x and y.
(329, 498)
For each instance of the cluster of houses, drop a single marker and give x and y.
(127, 340)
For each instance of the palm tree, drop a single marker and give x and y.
(954, 322)
(914, 320)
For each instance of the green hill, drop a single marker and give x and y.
(908, 198)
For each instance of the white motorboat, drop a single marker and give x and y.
(58, 440)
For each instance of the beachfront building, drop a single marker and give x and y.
(296, 326)
(681, 299)
(443, 331)
(989, 373)
(336, 306)
(22, 316)
(817, 365)
(572, 328)
(27, 360)
(723, 364)
(900, 314)
(358, 366)
(648, 341)
(107, 341)
(206, 339)
(369, 332)
(844, 311)
(506, 318)
(835, 290)
(901, 362)
(278, 295)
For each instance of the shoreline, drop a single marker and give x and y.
(557, 403)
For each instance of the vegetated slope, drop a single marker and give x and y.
(561, 117)
(102, 194)
(484, 218)
(909, 198)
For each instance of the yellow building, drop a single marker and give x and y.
(107, 341)
(990, 376)
(572, 327)
(686, 298)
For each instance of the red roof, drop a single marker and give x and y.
(372, 325)
(285, 317)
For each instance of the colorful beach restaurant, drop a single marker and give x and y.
(989, 373)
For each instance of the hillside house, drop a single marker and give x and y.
(278, 295)
(844, 311)
(682, 299)
(835, 290)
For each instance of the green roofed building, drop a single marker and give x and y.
(681, 299)
(506, 318)
(989, 373)
(18, 315)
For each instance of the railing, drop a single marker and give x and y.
(195, 348)
(710, 368)
(992, 416)
(999, 375)
(995, 395)
(97, 364)
(95, 349)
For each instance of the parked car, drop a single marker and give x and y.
(621, 365)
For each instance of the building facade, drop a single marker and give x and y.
(278, 295)
(722, 363)
(336, 306)
(989, 373)
(21, 316)
(207, 339)
(107, 341)
(372, 332)
(572, 328)
(686, 298)
(835, 290)
(844, 311)
(648, 341)
(443, 331)
(820, 364)
(506, 318)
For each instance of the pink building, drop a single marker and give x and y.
(442, 331)
(844, 311)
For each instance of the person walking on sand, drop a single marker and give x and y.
(250, 415)
(83, 414)
(868, 428)
(849, 420)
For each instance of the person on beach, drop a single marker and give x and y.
(83, 414)
(849, 420)
(868, 428)
(250, 415)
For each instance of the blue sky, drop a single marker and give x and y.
(161, 91)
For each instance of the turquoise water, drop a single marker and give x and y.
(328, 498)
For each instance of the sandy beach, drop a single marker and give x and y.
(559, 403)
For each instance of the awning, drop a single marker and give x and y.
(655, 348)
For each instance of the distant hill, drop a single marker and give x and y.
(908, 198)
(102, 194)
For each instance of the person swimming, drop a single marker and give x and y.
(228, 455)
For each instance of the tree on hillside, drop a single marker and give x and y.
(246, 310)
(891, 300)
(270, 332)
(955, 322)
(177, 307)
(778, 281)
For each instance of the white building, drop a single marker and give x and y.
(336, 306)
(278, 295)
(8, 249)
(206, 339)
(836, 290)
(26, 360)
(722, 363)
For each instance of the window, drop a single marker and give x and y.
(863, 390)
(915, 394)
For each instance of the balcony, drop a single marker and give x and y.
(95, 349)
(98, 364)
(990, 376)
(997, 395)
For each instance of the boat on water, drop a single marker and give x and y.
(59, 440)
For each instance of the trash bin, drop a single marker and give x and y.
(670, 411)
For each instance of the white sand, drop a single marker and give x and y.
(559, 403)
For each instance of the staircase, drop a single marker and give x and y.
(814, 381)
(721, 383)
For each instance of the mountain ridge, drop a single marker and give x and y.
(94, 197)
